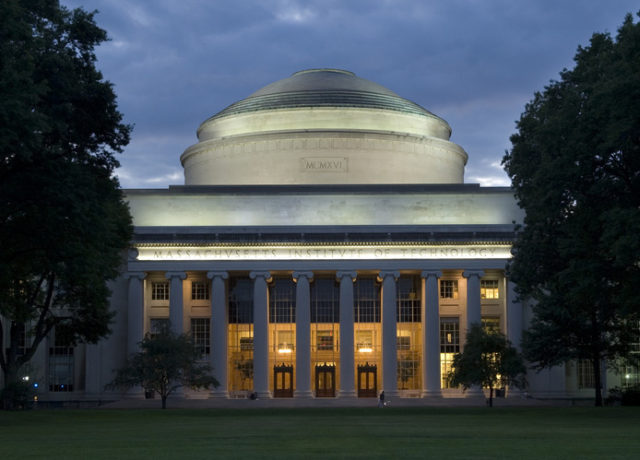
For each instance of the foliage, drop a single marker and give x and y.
(63, 221)
(166, 361)
(487, 360)
(627, 396)
(575, 170)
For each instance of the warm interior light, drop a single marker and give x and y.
(284, 350)
(365, 350)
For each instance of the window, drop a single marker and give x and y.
(409, 306)
(325, 301)
(364, 341)
(240, 301)
(403, 342)
(324, 340)
(586, 377)
(448, 289)
(449, 346)
(285, 342)
(60, 365)
(160, 290)
(491, 323)
(489, 289)
(158, 326)
(282, 301)
(200, 333)
(366, 300)
(199, 290)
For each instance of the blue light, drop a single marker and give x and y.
(35, 385)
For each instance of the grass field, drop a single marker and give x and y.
(581, 433)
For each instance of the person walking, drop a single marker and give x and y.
(381, 399)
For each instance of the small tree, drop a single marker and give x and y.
(166, 361)
(488, 360)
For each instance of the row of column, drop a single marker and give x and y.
(219, 315)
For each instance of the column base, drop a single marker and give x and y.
(347, 394)
(219, 394)
(302, 394)
(431, 394)
(263, 394)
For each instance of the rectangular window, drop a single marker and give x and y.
(282, 301)
(586, 377)
(201, 335)
(158, 325)
(489, 289)
(409, 305)
(403, 342)
(449, 346)
(285, 342)
(246, 343)
(448, 289)
(491, 323)
(366, 300)
(325, 340)
(160, 290)
(60, 366)
(364, 341)
(240, 301)
(325, 300)
(199, 290)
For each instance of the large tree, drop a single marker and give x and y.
(166, 362)
(63, 221)
(488, 360)
(575, 170)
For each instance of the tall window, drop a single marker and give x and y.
(409, 307)
(282, 301)
(160, 290)
(325, 301)
(448, 289)
(158, 326)
(449, 346)
(586, 377)
(240, 301)
(60, 365)
(491, 323)
(201, 335)
(240, 377)
(366, 300)
(489, 289)
(199, 290)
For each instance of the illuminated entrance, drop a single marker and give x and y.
(283, 381)
(367, 380)
(325, 381)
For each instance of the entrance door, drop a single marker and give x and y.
(283, 381)
(367, 380)
(325, 381)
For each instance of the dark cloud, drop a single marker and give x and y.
(475, 63)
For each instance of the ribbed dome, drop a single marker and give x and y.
(323, 88)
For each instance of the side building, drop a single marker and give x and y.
(324, 245)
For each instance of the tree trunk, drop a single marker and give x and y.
(597, 380)
(164, 401)
(491, 396)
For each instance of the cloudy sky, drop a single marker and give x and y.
(474, 63)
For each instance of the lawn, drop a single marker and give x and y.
(322, 433)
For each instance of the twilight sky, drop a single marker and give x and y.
(475, 63)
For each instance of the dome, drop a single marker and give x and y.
(323, 126)
(323, 88)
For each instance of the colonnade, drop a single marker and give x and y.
(431, 378)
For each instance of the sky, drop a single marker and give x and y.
(475, 63)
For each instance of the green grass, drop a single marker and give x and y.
(604, 433)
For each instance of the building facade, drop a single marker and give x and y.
(324, 245)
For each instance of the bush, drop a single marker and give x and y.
(18, 395)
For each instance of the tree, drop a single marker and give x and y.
(487, 360)
(63, 222)
(575, 170)
(166, 361)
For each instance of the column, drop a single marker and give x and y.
(303, 334)
(514, 316)
(135, 320)
(176, 314)
(474, 313)
(347, 357)
(389, 332)
(431, 379)
(219, 328)
(135, 311)
(260, 334)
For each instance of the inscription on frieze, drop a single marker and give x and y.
(324, 164)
